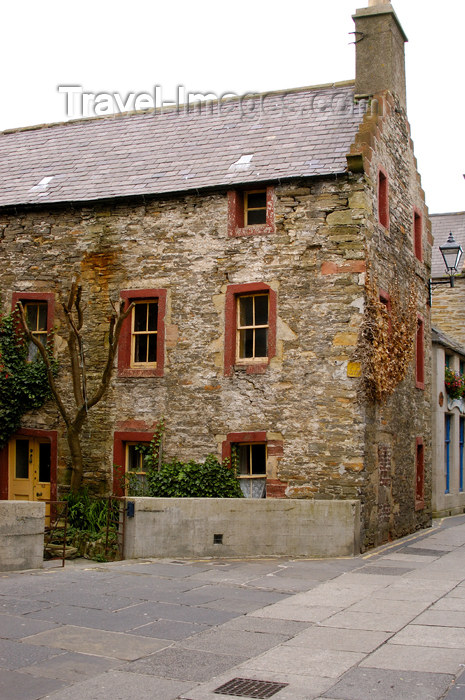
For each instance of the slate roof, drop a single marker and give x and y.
(304, 132)
(440, 338)
(442, 225)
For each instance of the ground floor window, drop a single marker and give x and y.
(129, 451)
(250, 461)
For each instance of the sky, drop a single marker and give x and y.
(245, 46)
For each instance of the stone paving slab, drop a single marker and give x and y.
(380, 621)
(15, 654)
(120, 685)
(236, 642)
(442, 618)
(425, 636)
(325, 663)
(416, 658)
(18, 606)
(299, 613)
(338, 639)
(19, 626)
(169, 629)
(450, 602)
(99, 642)
(378, 684)
(21, 686)
(411, 608)
(185, 664)
(71, 667)
(248, 623)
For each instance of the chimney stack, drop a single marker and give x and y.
(380, 55)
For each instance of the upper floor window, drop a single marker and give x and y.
(251, 212)
(420, 354)
(383, 199)
(418, 235)
(250, 326)
(39, 310)
(141, 346)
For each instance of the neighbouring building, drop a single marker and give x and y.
(448, 307)
(267, 244)
(448, 428)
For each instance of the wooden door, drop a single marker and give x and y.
(29, 469)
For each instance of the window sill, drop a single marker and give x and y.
(252, 368)
(258, 230)
(130, 372)
(420, 385)
(419, 505)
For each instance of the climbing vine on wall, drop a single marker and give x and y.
(23, 385)
(387, 338)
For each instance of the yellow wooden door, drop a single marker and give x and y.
(30, 463)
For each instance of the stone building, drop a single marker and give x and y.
(243, 231)
(448, 305)
(448, 429)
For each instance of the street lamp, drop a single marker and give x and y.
(451, 253)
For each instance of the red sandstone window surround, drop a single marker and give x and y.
(420, 353)
(418, 234)
(252, 450)
(250, 327)
(124, 457)
(419, 474)
(251, 212)
(383, 198)
(39, 309)
(141, 350)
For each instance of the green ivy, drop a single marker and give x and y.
(23, 385)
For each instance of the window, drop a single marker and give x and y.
(420, 354)
(447, 448)
(383, 199)
(448, 360)
(39, 311)
(248, 455)
(420, 474)
(250, 327)
(251, 212)
(129, 449)
(141, 347)
(418, 235)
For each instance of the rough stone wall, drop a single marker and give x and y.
(392, 426)
(334, 444)
(312, 261)
(448, 309)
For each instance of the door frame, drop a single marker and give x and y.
(50, 435)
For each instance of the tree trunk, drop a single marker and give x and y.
(74, 444)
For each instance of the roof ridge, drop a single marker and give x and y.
(140, 112)
(450, 213)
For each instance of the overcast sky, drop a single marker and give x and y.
(248, 45)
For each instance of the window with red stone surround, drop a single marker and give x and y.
(127, 361)
(39, 308)
(420, 353)
(275, 488)
(234, 293)
(120, 440)
(418, 235)
(419, 474)
(238, 209)
(383, 198)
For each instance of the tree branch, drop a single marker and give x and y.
(46, 359)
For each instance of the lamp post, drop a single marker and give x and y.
(451, 253)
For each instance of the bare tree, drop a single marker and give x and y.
(75, 418)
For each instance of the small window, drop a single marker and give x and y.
(36, 318)
(383, 199)
(144, 334)
(448, 360)
(420, 354)
(250, 462)
(255, 208)
(418, 235)
(252, 327)
(420, 474)
(141, 351)
(135, 464)
(251, 212)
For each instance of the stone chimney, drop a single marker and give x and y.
(380, 56)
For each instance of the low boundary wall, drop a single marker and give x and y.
(235, 527)
(22, 525)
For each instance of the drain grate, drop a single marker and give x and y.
(250, 688)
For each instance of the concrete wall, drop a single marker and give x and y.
(185, 527)
(21, 535)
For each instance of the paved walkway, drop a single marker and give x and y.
(386, 625)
